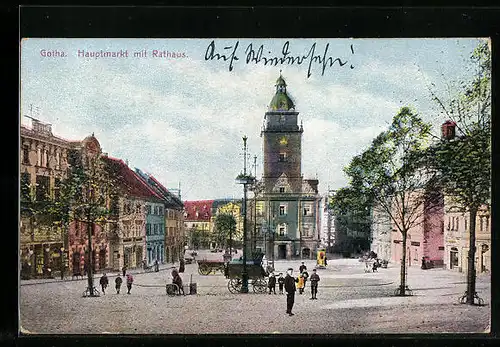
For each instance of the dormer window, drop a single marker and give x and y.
(282, 157)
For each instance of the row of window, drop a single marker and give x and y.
(454, 223)
(132, 230)
(306, 211)
(42, 157)
(42, 187)
(155, 228)
(155, 210)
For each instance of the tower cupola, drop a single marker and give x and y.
(281, 101)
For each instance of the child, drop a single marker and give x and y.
(300, 284)
(118, 284)
(104, 283)
(314, 285)
(272, 283)
(130, 280)
(281, 282)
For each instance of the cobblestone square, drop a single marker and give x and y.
(350, 301)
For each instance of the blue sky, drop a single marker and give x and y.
(182, 119)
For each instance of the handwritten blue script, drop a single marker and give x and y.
(257, 55)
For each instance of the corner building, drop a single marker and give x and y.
(290, 203)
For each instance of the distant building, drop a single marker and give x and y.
(231, 207)
(327, 222)
(198, 222)
(381, 233)
(173, 218)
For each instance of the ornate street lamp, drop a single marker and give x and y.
(244, 179)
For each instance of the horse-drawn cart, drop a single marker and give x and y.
(206, 267)
(256, 276)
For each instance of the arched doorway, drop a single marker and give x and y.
(453, 257)
(484, 248)
(306, 252)
(282, 252)
(102, 259)
(76, 263)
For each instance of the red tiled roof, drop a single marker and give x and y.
(130, 181)
(200, 210)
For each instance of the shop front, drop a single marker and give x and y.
(42, 260)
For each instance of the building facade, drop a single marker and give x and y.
(155, 232)
(174, 235)
(291, 204)
(129, 230)
(457, 228)
(233, 208)
(88, 153)
(327, 222)
(381, 232)
(426, 238)
(456, 240)
(198, 223)
(43, 165)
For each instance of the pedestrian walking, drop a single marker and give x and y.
(300, 284)
(118, 283)
(314, 285)
(272, 284)
(124, 270)
(302, 267)
(325, 261)
(157, 266)
(290, 291)
(281, 282)
(130, 280)
(305, 274)
(104, 283)
(181, 265)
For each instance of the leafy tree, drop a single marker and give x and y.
(464, 161)
(352, 218)
(392, 174)
(224, 229)
(194, 236)
(85, 197)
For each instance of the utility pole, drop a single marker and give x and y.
(245, 180)
(89, 236)
(254, 239)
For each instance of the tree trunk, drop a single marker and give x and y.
(402, 286)
(471, 267)
(230, 242)
(90, 265)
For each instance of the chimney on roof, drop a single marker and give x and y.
(126, 162)
(448, 130)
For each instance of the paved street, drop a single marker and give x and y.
(349, 301)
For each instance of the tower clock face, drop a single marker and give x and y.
(283, 141)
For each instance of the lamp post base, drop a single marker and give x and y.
(244, 285)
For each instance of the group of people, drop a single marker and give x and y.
(104, 282)
(288, 284)
(156, 265)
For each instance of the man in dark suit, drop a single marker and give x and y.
(290, 291)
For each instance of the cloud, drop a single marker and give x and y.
(183, 120)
